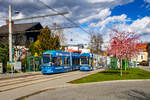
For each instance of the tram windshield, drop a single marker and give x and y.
(46, 58)
(84, 60)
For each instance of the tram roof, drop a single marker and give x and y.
(87, 54)
(54, 52)
(75, 54)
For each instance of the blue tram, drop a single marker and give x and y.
(59, 61)
(86, 62)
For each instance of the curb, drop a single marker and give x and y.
(113, 81)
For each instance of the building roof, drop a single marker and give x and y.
(73, 51)
(18, 27)
(142, 47)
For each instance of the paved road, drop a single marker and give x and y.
(124, 90)
(50, 83)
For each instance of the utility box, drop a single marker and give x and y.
(113, 63)
(125, 63)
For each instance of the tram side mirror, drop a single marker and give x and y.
(50, 63)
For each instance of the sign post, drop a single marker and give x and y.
(1, 68)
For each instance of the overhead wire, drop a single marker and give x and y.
(63, 16)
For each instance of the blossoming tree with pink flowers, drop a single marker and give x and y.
(123, 45)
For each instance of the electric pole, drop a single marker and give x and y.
(10, 34)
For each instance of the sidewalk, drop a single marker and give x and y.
(147, 68)
(16, 75)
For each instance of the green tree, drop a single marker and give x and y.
(4, 55)
(46, 41)
(34, 47)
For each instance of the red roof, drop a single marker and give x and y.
(73, 51)
(142, 46)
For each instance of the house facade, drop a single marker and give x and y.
(22, 36)
(148, 51)
(142, 57)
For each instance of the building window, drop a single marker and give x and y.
(31, 39)
(142, 57)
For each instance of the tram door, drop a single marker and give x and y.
(59, 66)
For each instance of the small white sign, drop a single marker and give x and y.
(17, 65)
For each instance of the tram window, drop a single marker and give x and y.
(84, 60)
(54, 61)
(46, 59)
(59, 61)
(66, 61)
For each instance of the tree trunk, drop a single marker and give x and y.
(125, 65)
(121, 67)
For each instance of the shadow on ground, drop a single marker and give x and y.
(135, 95)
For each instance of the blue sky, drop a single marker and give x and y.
(134, 10)
(135, 18)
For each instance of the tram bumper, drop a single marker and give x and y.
(47, 71)
(85, 68)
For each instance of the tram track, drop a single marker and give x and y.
(18, 79)
(25, 82)
(15, 77)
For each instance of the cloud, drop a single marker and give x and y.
(109, 22)
(101, 16)
(18, 16)
(141, 25)
(147, 1)
(98, 1)
(123, 23)
(79, 11)
(76, 36)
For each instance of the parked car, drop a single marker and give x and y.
(144, 63)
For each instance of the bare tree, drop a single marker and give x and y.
(59, 32)
(96, 43)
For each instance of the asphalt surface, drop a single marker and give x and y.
(116, 90)
(53, 81)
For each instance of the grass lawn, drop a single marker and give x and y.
(114, 74)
